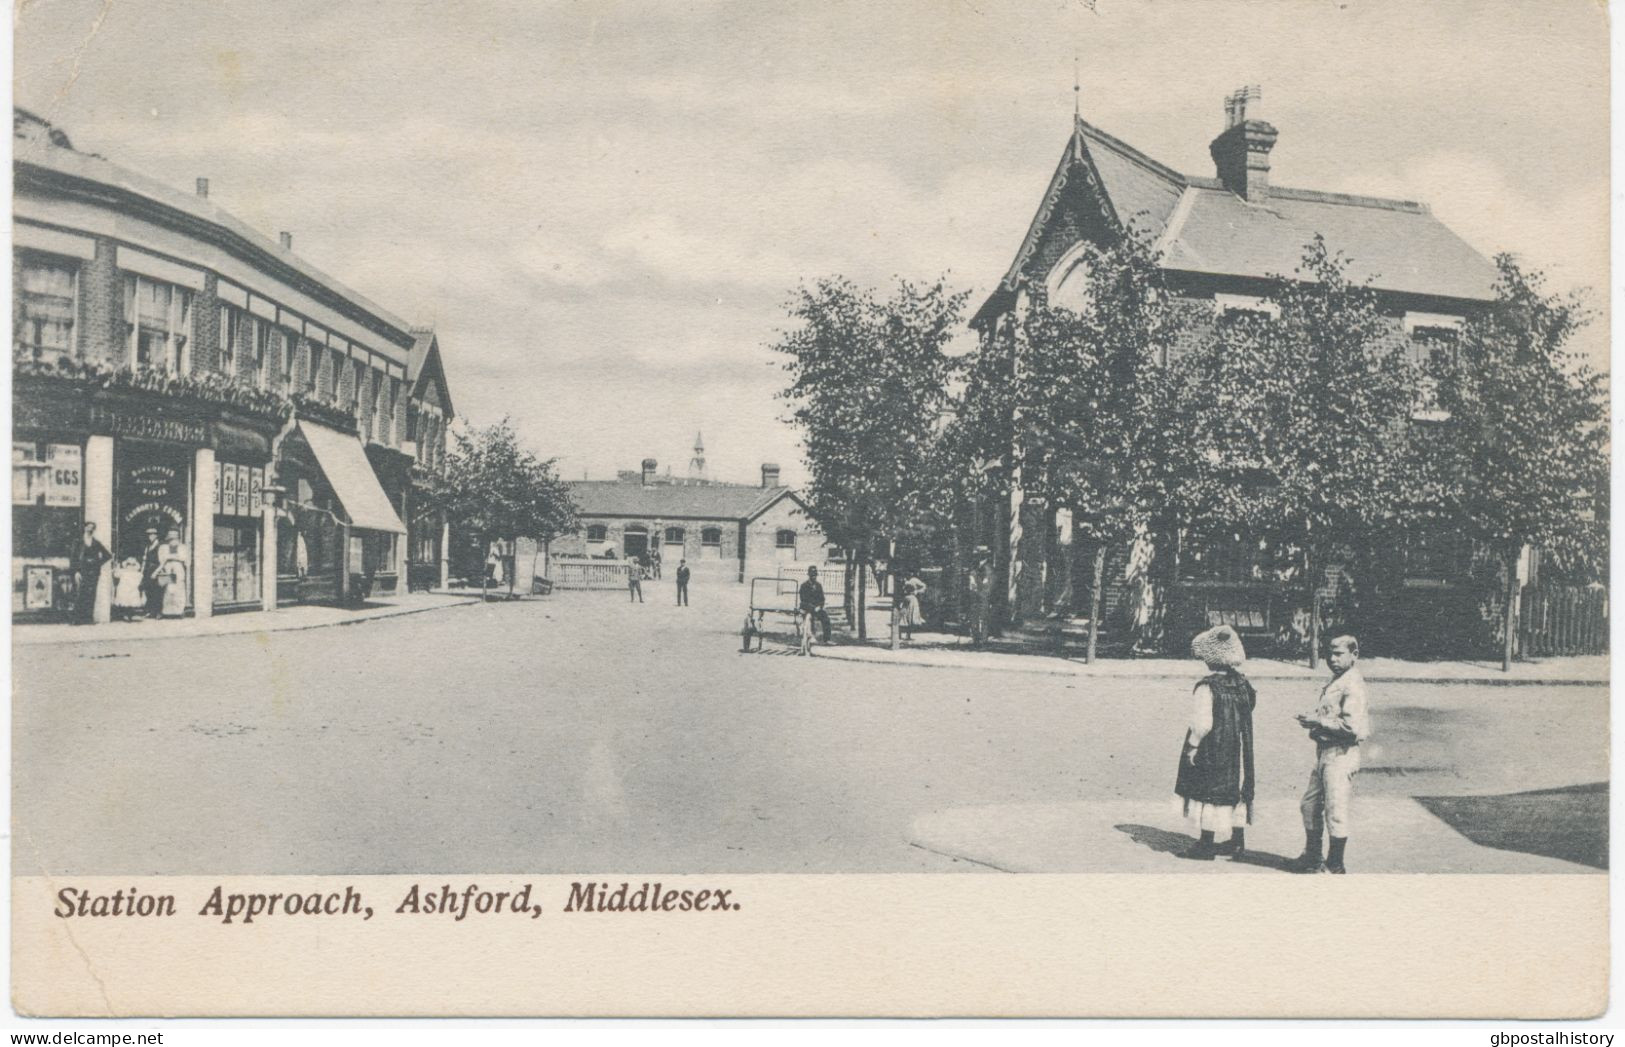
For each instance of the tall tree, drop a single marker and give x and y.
(1091, 412)
(1297, 426)
(492, 488)
(868, 382)
(1520, 455)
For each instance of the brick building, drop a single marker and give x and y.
(1219, 239)
(726, 531)
(175, 369)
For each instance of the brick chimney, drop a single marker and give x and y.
(770, 474)
(1241, 153)
(203, 188)
(648, 471)
(287, 241)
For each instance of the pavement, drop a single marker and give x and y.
(283, 619)
(582, 733)
(946, 651)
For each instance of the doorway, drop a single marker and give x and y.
(635, 542)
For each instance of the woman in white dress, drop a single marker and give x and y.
(174, 562)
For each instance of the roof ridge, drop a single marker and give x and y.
(1131, 153)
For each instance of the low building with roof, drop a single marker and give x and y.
(1219, 241)
(728, 532)
(176, 370)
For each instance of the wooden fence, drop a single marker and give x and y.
(1562, 620)
(589, 574)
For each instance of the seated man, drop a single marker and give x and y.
(812, 601)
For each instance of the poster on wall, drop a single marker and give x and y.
(64, 475)
(228, 488)
(256, 483)
(219, 482)
(38, 588)
(242, 490)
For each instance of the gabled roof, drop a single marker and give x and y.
(1203, 227)
(676, 501)
(424, 366)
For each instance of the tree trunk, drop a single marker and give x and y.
(485, 574)
(1510, 612)
(1095, 601)
(863, 619)
(846, 588)
(513, 568)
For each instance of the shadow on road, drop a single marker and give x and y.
(1164, 842)
(1570, 823)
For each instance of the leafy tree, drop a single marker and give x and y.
(492, 488)
(1520, 454)
(869, 381)
(1091, 405)
(1296, 426)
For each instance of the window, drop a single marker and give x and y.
(47, 296)
(336, 374)
(290, 355)
(597, 533)
(674, 536)
(262, 353)
(158, 317)
(359, 381)
(784, 543)
(313, 368)
(231, 322)
(1239, 307)
(711, 536)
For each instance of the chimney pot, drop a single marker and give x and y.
(770, 474)
(287, 241)
(1241, 153)
(203, 188)
(649, 470)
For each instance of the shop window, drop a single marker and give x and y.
(47, 297)
(158, 318)
(784, 544)
(46, 512)
(674, 536)
(236, 562)
(597, 533)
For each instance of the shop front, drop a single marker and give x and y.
(338, 535)
(174, 488)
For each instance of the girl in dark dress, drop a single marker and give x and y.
(1216, 762)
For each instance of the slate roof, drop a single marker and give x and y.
(674, 501)
(63, 160)
(1202, 227)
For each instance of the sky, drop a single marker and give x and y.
(603, 207)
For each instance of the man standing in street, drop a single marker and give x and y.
(682, 583)
(634, 582)
(812, 602)
(86, 561)
(1338, 725)
(150, 585)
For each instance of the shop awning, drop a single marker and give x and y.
(344, 462)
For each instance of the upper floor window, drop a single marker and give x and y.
(290, 356)
(1240, 306)
(1433, 340)
(337, 373)
(158, 318)
(261, 349)
(231, 326)
(359, 381)
(47, 302)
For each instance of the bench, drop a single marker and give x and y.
(779, 597)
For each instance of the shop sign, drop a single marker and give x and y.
(64, 475)
(146, 426)
(238, 489)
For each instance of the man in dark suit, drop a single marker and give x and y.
(150, 585)
(89, 554)
(812, 602)
(682, 583)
